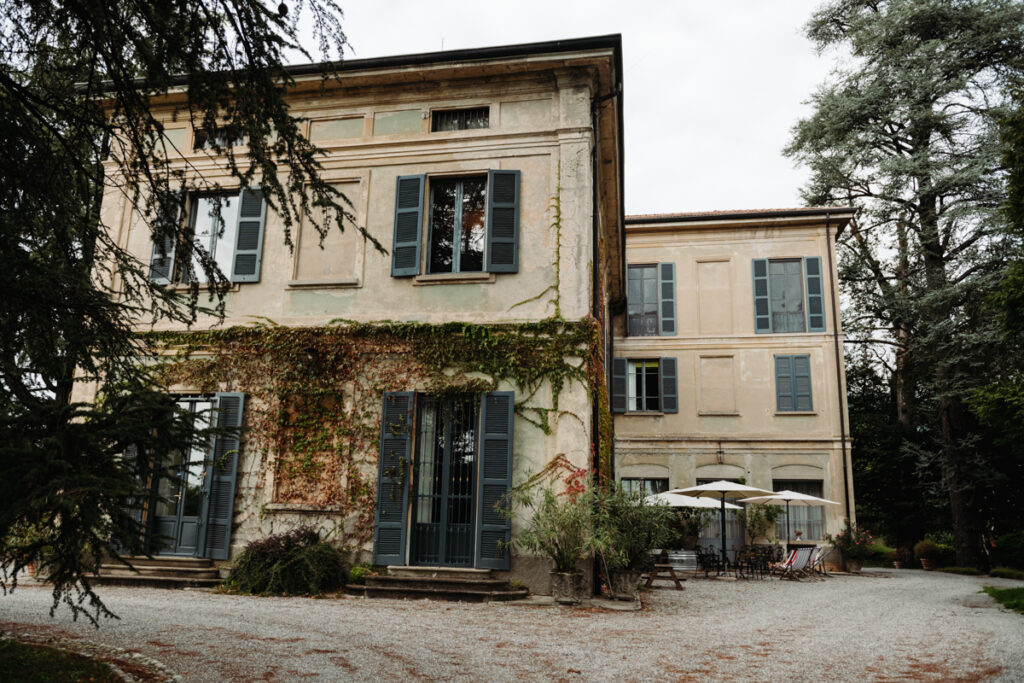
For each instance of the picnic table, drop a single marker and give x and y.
(664, 571)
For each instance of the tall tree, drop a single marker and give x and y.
(76, 81)
(907, 130)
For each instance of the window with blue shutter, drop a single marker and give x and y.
(161, 262)
(793, 384)
(618, 391)
(503, 221)
(651, 300)
(667, 291)
(644, 385)
(669, 389)
(393, 469)
(497, 417)
(789, 295)
(222, 474)
(252, 218)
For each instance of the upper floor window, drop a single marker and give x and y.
(644, 385)
(473, 224)
(226, 137)
(788, 295)
(460, 119)
(793, 384)
(228, 227)
(651, 300)
(647, 486)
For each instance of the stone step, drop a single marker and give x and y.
(130, 579)
(439, 583)
(165, 561)
(439, 593)
(438, 572)
(172, 571)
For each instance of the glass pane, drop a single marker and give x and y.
(169, 487)
(192, 479)
(442, 225)
(474, 199)
(787, 295)
(429, 471)
(651, 389)
(215, 228)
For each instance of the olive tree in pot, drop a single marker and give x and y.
(628, 528)
(561, 528)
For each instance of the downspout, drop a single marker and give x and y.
(839, 366)
(595, 303)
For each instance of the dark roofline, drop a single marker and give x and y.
(810, 212)
(611, 41)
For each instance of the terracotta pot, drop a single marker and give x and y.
(897, 564)
(927, 565)
(625, 584)
(853, 566)
(567, 589)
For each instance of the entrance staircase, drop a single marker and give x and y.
(439, 583)
(159, 572)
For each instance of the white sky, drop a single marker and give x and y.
(712, 89)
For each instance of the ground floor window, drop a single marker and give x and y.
(808, 519)
(647, 486)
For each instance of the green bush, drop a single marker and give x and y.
(1009, 550)
(628, 527)
(294, 563)
(1007, 573)
(965, 571)
(926, 550)
(358, 573)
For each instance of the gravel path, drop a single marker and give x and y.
(883, 626)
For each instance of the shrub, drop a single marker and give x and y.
(1009, 550)
(628, 527)
(853, 542)
(965, 571)
(358, 573)
(294, 563)
(561, 526)
(926, 550)
(758, 519)
(1007, 573)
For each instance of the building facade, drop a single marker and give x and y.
(493, 179)
(728, 362)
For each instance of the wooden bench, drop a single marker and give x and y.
(664, 571)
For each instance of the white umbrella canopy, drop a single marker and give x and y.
(722, 489)
(785, 497)
(677, 500)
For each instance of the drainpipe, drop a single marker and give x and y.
(839, 367)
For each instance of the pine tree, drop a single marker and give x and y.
(907, 130)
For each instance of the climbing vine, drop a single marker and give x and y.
(314, 392)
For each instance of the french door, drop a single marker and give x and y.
(444, 481)
(179, 508)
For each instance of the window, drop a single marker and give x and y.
(809, 519)
(457, 225)
(644, 385)
(473, 224)
(788, 295)
(643, 485)
(651, 300)
(793, 384)
(460, 119)
(226, 137)
(228, 227)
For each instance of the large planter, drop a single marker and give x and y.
(567, 589)
(927, 564)
(624, 584)
(853, 566)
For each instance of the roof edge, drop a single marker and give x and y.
(809, 212)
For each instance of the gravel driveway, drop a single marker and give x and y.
(883, 626)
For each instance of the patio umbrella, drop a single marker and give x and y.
(787, 497)
(677, 500)
(722, 489)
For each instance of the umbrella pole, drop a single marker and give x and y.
(725, 557)
(788, 537)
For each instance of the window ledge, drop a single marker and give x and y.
(302, 508)
(644, 413)
(323, 284)
(784, 413)
(718, 414)
(184, 287)
(454, 279)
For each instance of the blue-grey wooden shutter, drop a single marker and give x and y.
(502, 222)
(619, 385)
(669, 388)
(494, 528)
(667, 298)
(802, 383)
(222, 473)
(252, 218)
(405, 248)
(762, 305)
(161, 261)
(815, 294)
(784, 384)
(393, 467)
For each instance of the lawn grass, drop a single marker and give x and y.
(965, 571)
(1012, 598)
(1007, 573)
(29, 663)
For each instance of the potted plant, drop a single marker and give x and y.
(561, 528)
(628, 528)
(757, 519)
(854, 543)
(926, 553)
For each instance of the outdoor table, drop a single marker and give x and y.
(668, 569)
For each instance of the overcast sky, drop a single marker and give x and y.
(712, 89)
